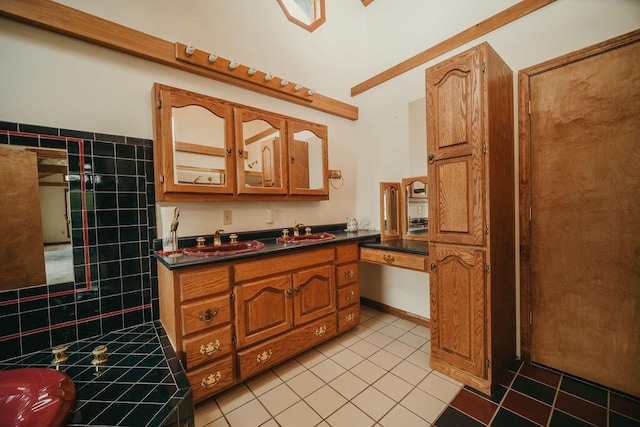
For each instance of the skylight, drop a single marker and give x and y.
(308, 14)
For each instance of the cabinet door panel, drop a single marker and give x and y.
(458, 307)
(315, 292)
(456, 213)
(454, 119)
(263, 309)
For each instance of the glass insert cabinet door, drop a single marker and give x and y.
(415, 212)
(308, 158)
(261, 153)
(390, 211)
(195, 138)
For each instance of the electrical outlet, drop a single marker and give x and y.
(227, 217)
(269, 216)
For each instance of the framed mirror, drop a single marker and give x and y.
(308, 159)
(45, 198)
(194, 134)
(261, 153)
(390, 200)
(415, 208)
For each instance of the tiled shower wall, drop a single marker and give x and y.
(120, 226)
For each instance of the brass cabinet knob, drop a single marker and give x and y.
(264, 356)
(348, 274)
(211, 380)
(349, 296)
(209, 348)
(208, 315)
(434, 267)
(431, 158)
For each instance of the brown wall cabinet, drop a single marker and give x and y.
(471, 216)
(208, 149)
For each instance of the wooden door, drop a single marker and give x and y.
(271, 170)
(583, 159)
(315, 293)
(299, 165)
(458, 307)
(22, 241)
(455, 143)
(454, 97)
(456, 213)
(263, 309)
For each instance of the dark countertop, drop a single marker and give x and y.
(418, 247)
(142, 382)
(268, 237)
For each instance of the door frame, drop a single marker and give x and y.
(524, 126)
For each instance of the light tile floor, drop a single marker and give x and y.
(377, 374)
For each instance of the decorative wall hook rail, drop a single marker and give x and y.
(210, 61)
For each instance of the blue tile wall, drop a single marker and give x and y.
(120, 208)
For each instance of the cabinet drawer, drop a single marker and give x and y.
(279, 264)
(348, 295)
(269, 353)
(394, 259)
(206, 347)
(348, 273)
(210, 379)
(202, 282)
(349, 317)
(345, 253)
(201, 315)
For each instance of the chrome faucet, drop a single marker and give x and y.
(296, 227)
(216, 238)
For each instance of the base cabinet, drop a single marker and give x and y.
(230, 321)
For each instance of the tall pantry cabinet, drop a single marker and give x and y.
(470, 146)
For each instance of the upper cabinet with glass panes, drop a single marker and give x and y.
(210, 149)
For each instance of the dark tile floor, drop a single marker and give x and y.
(533, 396)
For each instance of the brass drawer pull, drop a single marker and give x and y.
(389, 259)
(349, 296)
(434, 267)
(348, 274)
(211, 380)
(320, 331)
(208, 315)
(264, 356)
(349, 317)
(209, 348)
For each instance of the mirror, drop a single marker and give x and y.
(193, 143)
(199, 146)
(415, 212)
(389, 211)
(308, 159)
(260, 159)
(43, 201)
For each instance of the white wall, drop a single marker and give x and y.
(411, 26)
(48, 79)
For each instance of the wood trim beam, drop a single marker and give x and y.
(260, 135)
(74, 23)
(496, 21)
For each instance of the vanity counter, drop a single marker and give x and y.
(142, 383)
(418, 247)
(271, 247)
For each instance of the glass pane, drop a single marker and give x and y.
(417, 209)
(307, 161)
(198, 146)
(262, 154)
